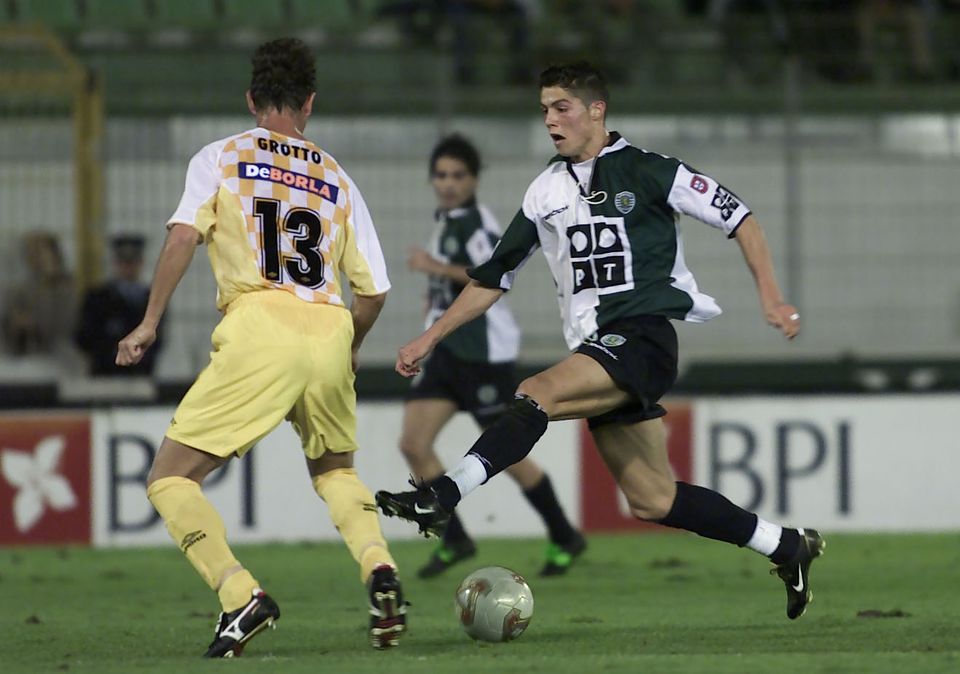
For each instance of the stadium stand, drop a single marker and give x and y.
(264, 16)
(131, 16)
(60, 15)
(339, 21)
(678, 67)
(200, 16)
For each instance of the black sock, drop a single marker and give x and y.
(787, 549)
(544, 500)
(709, 514)
(455, 532)
(511, 437)
(447, 493)
(506, 441)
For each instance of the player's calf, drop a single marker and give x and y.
(504, 442)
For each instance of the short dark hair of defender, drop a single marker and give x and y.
(458, 147)
(584, 80)
(284, 75)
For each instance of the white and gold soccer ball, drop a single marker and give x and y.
(494, 604)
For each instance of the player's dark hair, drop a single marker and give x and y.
(457, 147)
(581, 78)
(284, 74)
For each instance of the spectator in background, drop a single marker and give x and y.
(844, 37)
(914, 18)
(951, 47)
(38, 313)
(421, 21)
(511, 15)
(114, 309)
(620, 35)
(741, 40)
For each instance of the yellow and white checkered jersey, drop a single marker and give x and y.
(280, 213)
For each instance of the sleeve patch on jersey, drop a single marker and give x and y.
(291, 179)
(699, 183)
(725, 202)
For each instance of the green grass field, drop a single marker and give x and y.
(651, 603)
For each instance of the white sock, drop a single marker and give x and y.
(766, 537)
(469, 474)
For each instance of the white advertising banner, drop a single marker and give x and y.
(859, 463)
(268, 495)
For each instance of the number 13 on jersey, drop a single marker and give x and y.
(304, 229)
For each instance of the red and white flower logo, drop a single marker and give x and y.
(38, 483)
(44, 478)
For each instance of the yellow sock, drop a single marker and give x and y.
(197, 528)
(354, 513)
(236, 590)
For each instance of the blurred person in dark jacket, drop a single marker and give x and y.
(113, 309)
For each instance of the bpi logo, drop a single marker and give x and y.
(44, 479)
(600, 256)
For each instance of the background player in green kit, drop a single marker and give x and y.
(472, 369)
(605, 214)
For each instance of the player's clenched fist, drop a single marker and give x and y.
(785, 318)
(132, 347)
(412, 354)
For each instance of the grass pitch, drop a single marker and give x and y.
(645, 603)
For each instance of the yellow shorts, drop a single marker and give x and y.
(274, 357)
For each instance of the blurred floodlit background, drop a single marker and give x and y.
(837, 121)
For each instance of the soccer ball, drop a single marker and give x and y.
(494, 604)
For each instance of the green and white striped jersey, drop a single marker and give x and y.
(466, 236)
(609, 228)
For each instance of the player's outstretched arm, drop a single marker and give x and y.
(364, 309)
(473, 301)
(776, 310)
(174, 259)
(420, 260)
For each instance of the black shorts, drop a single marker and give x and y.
(640, 355)
(482, 389)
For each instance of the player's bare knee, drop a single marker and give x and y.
(151, 478)
(159, 471)
(538, 389)
(413, 449)
(650, 510)
(649, 505)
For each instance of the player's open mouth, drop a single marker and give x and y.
(556, 137)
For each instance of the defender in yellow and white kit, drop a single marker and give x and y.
(283, 223)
